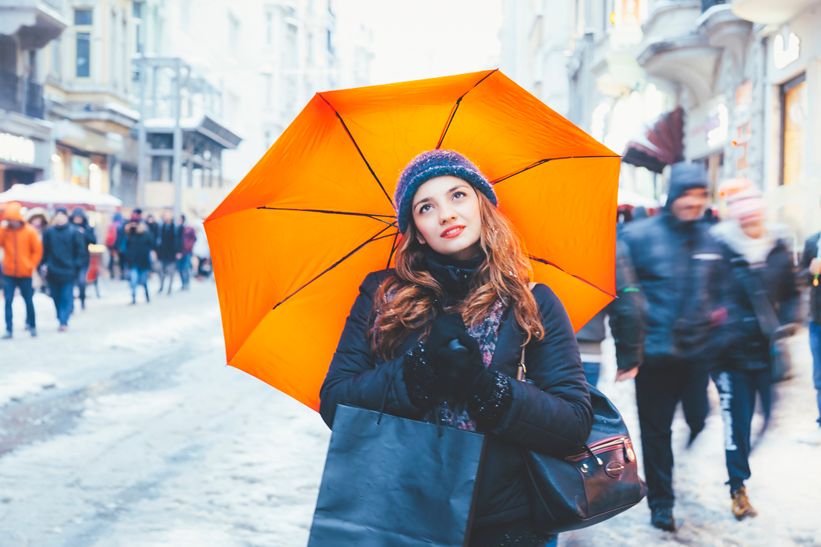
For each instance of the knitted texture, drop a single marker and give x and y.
(431, 164)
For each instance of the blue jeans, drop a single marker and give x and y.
(737, 390)
(184, 267)
(591, 372)
(26, 291)
(815, 349)
(63, 296)
(138, 276)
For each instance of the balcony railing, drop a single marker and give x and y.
(21, 95)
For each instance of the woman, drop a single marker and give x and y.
(461, 274)
(760, 282)
(79, 221)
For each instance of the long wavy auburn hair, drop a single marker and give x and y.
(408, 301)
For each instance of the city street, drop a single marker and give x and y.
(130, 430)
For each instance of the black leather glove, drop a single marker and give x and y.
(454, 355)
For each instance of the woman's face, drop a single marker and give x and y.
(447, 217)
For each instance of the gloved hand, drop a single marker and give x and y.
(454, 355)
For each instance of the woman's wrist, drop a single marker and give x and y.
(420, 377)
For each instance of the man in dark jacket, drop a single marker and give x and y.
(811, 271)
(625, 326)
(79, 221)
(62, 254)
(139, 243)
(678, 267)
(169, 249)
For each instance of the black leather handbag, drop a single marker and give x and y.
(599, 482)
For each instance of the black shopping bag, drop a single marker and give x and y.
(391, 481)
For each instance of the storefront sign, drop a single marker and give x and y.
(16, 149)
(786, 51)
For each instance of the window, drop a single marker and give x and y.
(794, 125)
(161, 168)
(83, 54)
(233, 32)
(83, 17)
(267, 89)
(137, 10)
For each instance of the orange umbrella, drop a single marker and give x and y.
(292, 242)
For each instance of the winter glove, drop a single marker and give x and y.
(454, 355)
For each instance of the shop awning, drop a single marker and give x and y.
(661, 145)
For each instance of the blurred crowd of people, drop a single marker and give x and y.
(59, 255)
(700, 298)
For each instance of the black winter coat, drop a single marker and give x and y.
(678, 270)
(138, 247)
(745, 346)
(810, 252)
(553, 415)
(62, 253)
(168, 242)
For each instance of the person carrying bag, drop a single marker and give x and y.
(438, 340)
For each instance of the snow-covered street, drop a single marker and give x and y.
(130, 430)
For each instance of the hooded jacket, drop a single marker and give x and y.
(552, 415)
(62, 252)
(678, 271)
(87, 234)
(22, 249)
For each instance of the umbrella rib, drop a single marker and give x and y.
(393, 250)
(583, 280)
(359, 150)
(379, 218)
(456, 107)
(546, 160)
(375, 237)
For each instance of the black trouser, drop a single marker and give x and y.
(660, 385)
(737, 390)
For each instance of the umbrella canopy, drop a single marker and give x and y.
(54, 193)
(292, 242)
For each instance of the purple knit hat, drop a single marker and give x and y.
(431, 164)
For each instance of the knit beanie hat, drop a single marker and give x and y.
(431, 164)
(744, 200)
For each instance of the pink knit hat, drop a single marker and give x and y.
(744, 200)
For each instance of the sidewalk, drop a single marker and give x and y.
(785, 486)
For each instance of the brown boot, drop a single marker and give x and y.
(741, 505)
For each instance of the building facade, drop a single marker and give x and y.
(26, 137)
(741, 74)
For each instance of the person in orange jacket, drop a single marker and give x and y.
(22, 251)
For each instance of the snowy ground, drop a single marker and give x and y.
(130, 430)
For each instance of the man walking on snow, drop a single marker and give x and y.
(677, 267)
(22, 251)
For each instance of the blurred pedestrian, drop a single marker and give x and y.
(62, 254)
(38, 218)
(139, 244)
(437, 322)
(169, 250)
(677, 266)
(79, 221)
(22, 251)
(188, 237)
(761, 299)
(624, 314)
(203, 253)
(811, 272)
(114, 260)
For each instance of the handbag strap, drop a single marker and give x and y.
(521, 368)
(762, 306)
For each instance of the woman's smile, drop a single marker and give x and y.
(453, 232)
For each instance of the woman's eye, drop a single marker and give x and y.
(458, 194)
(424, 209)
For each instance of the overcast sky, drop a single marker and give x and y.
(425, 38)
